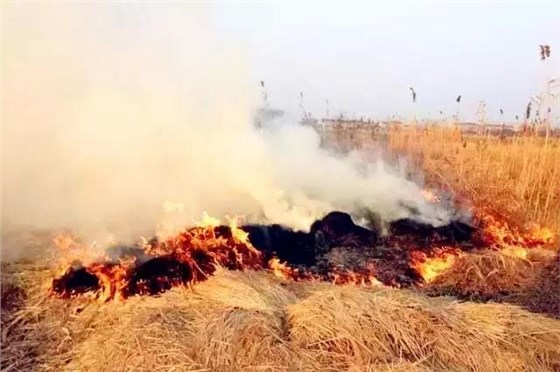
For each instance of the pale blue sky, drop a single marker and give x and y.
(363, 57)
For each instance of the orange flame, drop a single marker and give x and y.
(513, 251)
(430, 196)
(355, 278)
(431, 267)
(279, 269)
(69, 250)
(542, 234)
(499, 235)
(193, 254)
(336, 276)
(238, 234)
(190, 256)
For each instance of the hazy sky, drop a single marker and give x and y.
(363, 57)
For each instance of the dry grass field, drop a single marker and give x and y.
(493, 310)
(254, 321)
(517, 177)
(171, 200)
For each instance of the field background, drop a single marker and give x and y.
(491, 312)
(516, 177)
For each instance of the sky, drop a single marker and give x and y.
(364, 57)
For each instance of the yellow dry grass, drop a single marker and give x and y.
(518, 177)
(254, 321)
(352, 327)
(493, 274)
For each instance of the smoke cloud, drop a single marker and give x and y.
(120, 117)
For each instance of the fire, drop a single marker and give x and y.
(238, 234)
(192, 255)
(155, 266)
(70, 250)
(112, 280)
(500, 234)
(356, 278)
(431, 196)
(494, 234)
(542, 234)
(513, 242)
(208, 221)
(279, 269)
(336, 276)
(430, 267)
(519, 252)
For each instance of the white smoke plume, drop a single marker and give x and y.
(111, 111)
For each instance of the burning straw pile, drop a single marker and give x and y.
(234, 296)
(483, 260)
(258, 305)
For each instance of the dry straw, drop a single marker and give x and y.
(253, 321)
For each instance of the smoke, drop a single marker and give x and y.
(315, 182)
(111, 111)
